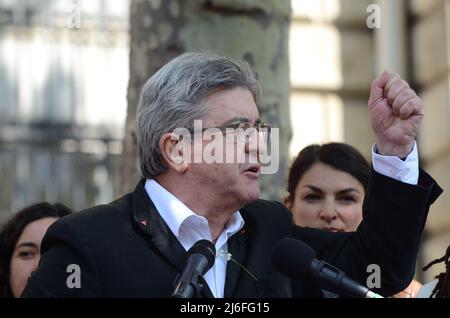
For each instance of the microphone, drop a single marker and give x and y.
(199, 259)
(296, 259)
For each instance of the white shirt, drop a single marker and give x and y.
(402, 170)
(189, 227)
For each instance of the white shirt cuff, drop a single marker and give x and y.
(392, 166)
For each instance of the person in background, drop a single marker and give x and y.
(326, 189)
(20, 242)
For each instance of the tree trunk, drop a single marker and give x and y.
(252, 30)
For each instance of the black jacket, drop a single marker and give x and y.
(124, 249)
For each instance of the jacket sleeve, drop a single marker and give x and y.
(67, 267)
(394, 215)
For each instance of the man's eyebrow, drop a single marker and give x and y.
(236, 120)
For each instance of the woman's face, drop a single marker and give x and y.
(328, 199)
(27, 254)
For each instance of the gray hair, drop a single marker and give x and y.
(174, 97)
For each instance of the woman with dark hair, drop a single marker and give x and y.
(326, 189)
(20, 242)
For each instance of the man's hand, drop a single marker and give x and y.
(395, 113)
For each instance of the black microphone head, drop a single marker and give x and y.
(205, 248)
(293, 257)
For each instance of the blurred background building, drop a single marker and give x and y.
(64, 70)
(63, 79)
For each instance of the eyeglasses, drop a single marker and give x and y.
(244, 130)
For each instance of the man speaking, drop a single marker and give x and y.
(136, 246)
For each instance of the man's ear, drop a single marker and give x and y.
(171, 146)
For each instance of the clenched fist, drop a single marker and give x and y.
(395, 113)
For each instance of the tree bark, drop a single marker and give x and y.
(256, 31)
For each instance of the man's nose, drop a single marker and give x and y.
(255, 143)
